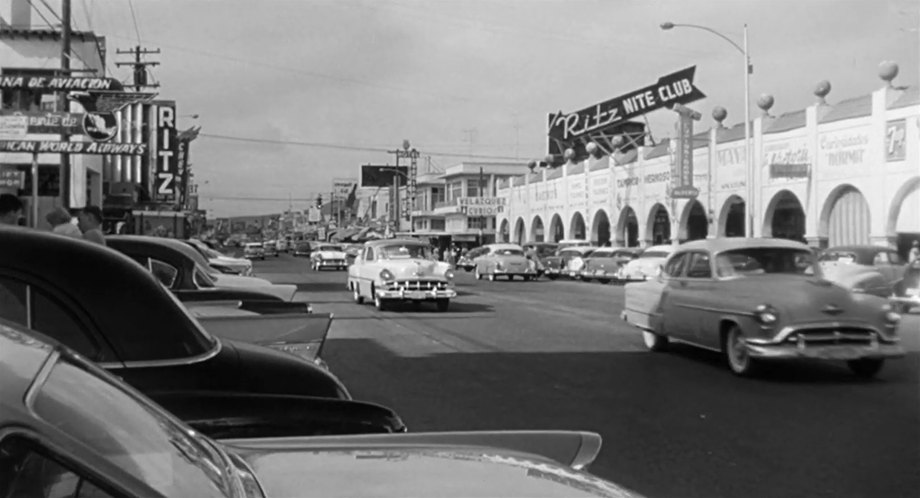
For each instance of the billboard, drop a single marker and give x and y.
(342, 187)
(166, 177)
(482, 206)
(382, 176)
(682, 165)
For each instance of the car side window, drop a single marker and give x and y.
(33, 308)
(880, 259)
(26, 470)
(698, 266)
(165, 272)
(369, 255)
(674, 268)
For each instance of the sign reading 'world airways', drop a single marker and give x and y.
(675, 88)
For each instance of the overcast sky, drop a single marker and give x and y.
(440, 73)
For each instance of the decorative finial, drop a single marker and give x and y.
(765, 102)
(821, 90)
(592, 149)
(532, 165)
(550, 160)
(618, 141)
(569, 155)
(719, 114)
(887, 71)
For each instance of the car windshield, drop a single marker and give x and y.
(602, 253)
(330, 248)
(132, 434)
(509, 252)
(764, 260)
(405, 251)
(654, 254)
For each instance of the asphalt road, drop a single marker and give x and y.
(555, 355)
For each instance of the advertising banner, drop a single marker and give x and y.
(787, 160)
(895, 134)
(166, 178)
(315, 215)
(674, 88)
(16, 124)
(381, 176)
(58, 147)
(682, 162)
(482, 206)
(342, 187)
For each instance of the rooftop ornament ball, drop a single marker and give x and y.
(888, 70)
(591, 147)
(569, 155)
(532, 165)
(550, 159)
(618, 141)
(822, 89)
(719, 114)
(765, 102)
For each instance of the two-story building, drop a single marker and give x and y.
(460, 205)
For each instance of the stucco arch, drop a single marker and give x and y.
(577, 227)
(520, 231)
(537, 230)
(731, 217)
(694, 222)
(845, 217)
(658, 225)
(782, 203)
(556, 229)
(600, 228)
(627, 234)
(503, 231)
(894, 212)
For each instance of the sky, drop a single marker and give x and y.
(470, 79)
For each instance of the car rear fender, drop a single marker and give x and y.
(576, 449)
(279, 331)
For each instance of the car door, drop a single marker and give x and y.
(700, 298)
(889, 264)
(670, 308)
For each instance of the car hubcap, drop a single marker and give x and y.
(737, 353)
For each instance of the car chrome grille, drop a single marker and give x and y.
(834, 336)
(416, 285)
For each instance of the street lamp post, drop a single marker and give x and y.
(749, 164)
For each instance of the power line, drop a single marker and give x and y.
(53, 28)
(355, 148)
(134, 17)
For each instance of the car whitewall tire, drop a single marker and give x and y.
(736, 354)
(359, 299)
(654, 342)
(491, 277)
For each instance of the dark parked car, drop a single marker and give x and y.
(907, 289)
(604, 263)
(184, 271)
(302, 249)
(69, 429)
(112, 311)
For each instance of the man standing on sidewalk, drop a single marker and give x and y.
(90, 220)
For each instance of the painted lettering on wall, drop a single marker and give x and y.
(895, 135)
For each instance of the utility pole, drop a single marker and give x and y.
(64, 170)
(140, 66)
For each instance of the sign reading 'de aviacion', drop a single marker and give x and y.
(59, 83)
(674, 88)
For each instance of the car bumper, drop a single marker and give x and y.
(331, 264)
(515, 272)
(825, 352)
(417, 295)
(589, 274)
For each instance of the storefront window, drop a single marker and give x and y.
(456, 190)
(437, 194)
(473, 188)
(437, 225)
(477, 223)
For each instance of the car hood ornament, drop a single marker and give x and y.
(832, 309)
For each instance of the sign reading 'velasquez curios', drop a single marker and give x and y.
(675, 88)
(482, 206)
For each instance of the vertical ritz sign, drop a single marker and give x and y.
(167, 160)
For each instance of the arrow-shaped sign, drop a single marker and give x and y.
(675, 88)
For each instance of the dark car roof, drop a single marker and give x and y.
(115, 292)
(864, 253)
(164, 244)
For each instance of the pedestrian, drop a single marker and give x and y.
(62, 223)
(90, 220)
(10, 210)
(914, 254)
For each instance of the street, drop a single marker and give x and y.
(555, 355)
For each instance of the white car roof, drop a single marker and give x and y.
(504, 246)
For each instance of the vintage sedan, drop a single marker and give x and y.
(756, 300)
(603, 264)
(302, 248)
(68, 428)
(114, 312)
(185, 271)
(884, 260)
(327, 256)
(567, 262)
(221, 262)
(646, 266)
(467, 261)
(906, 293)
(253, 250)
(400, 270)
(270, 248)
(504, 260)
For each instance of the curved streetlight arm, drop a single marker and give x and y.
(667, 26)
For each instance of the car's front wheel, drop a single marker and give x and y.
(866, 368)
(443, 304)
(654, 342)
(736, 353)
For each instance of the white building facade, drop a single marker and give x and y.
(847, 173)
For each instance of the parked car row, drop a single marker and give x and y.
(127, 373)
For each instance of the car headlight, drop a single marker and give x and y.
(890, 315)
(386, 275)
(766, 314)
(449, 274)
